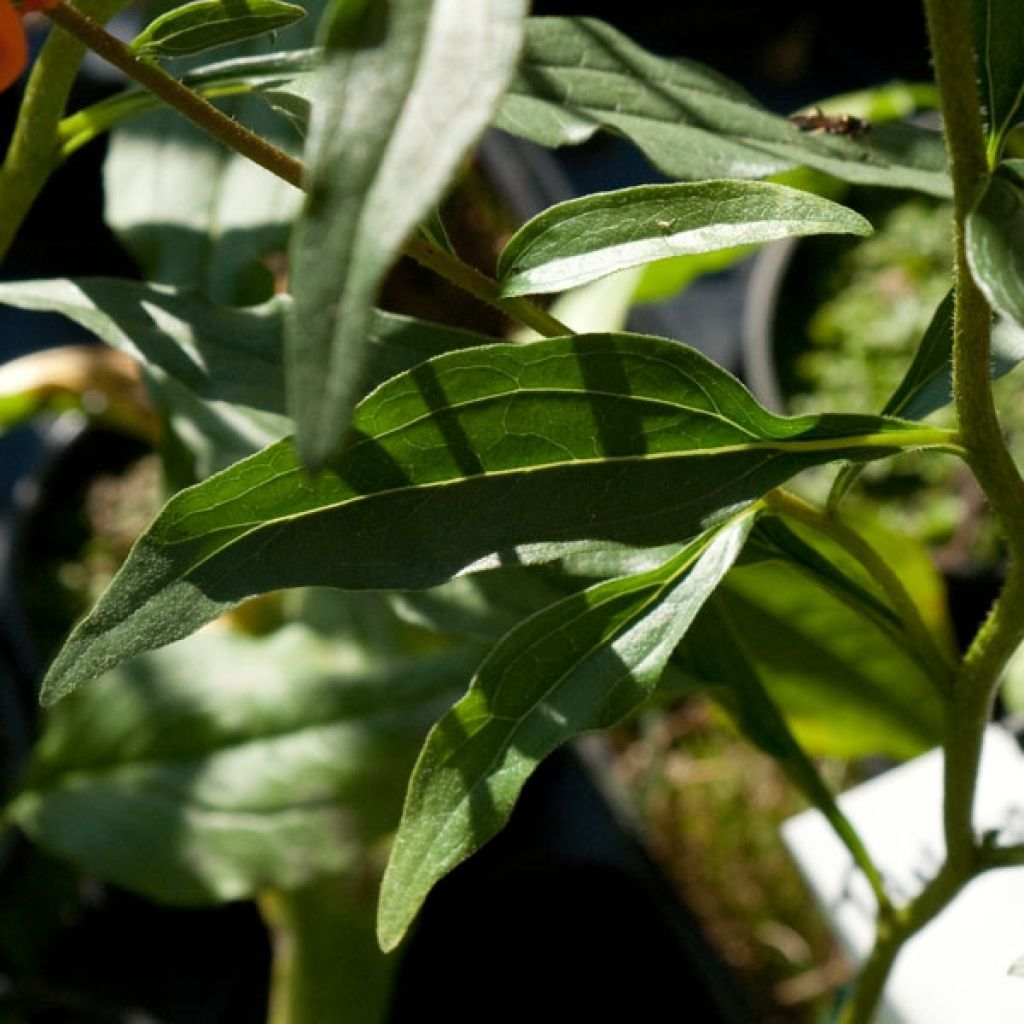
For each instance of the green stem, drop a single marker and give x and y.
(968, 707)
(893, 935)
(237, 137)
(481, 286)
(172, 92)
(327, 965)
(990, 857)
(33, 152)
(955, 72)
(938, 665)
(80, 128)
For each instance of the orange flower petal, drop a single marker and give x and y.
(13, 47)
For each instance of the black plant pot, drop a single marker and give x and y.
(562, 917)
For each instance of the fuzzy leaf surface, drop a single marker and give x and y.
(581, 240)
(474, 457)
(406, 90)
(218, 352)
(998, 30)
(579, 75)
(205, 24)
(226, 764)
(995, 241)
(580, 665)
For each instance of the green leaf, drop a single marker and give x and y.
(218, 352)
(434, 231)
(237, 76)
(580, 665)
(584, 239)
(845, 686)
(995, 241)
(577, 76)
(998, 30)
(928, 383)
(927, 386)
(406, 89)
(195, 214)
(227, 764)
(191, 212)
(772, 538)
(204, 24)
(509, 451)
(824, 562)
(731, 680)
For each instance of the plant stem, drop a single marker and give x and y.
(33, 151)
(237, 137)
(172, 92)
(955, 72)
(485, 288)
(892, 936)
(990, 857)
(968, 707)
(788, 504)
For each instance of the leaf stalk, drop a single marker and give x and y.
(237, 137)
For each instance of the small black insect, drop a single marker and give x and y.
(831, 124)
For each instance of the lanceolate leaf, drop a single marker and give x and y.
(204, 24)
(998, 30)
(774, 539)
(732, 681)
(581, 664)
(846, 687)
(578, 241)
(227, 764)
(509, 451)
(406, 90)
(995, 241)
(578, 75)
(927, 386)
(218, 352)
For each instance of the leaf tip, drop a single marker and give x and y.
(55, 687)
(393, 918)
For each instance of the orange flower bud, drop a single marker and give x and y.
(13, 47)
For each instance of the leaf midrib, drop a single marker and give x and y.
(517, 722)
(782, 446)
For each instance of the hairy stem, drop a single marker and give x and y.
(968, 707)
(198, 110)
(955, 73)
(237, 137)
(33, 152)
